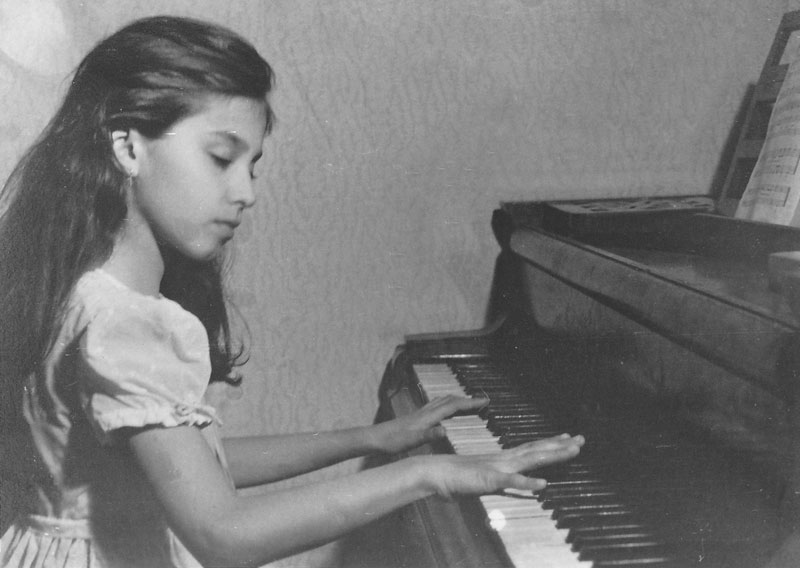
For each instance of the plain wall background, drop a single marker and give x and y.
(402, 125)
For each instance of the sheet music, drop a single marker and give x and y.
(773, 192)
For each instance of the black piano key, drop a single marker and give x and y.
(499, 428)
(515, 406)
(640, 563)
(589, 508)
(646, 553)
(630, 534)
(496, 419)
(574, 499)
(634, 549)
(499, 415)
(576, 533)
(556, 487)
(583, 519)
(474, 381)
(575, 471)
(554, 494)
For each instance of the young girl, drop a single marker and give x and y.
(114, 321)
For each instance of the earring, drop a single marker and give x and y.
(127, 185)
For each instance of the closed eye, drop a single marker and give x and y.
(221, 162)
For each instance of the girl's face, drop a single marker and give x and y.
(193, 183)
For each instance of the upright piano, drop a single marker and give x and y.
(652, 327)
(661, 339)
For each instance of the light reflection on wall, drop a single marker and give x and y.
(36, 34)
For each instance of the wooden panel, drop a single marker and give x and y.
(707, 324)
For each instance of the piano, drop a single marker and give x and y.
(660, 338)
(653, 327)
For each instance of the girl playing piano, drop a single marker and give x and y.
(114, 322)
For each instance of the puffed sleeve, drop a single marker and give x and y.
(144, 363)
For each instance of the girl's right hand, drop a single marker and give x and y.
(451, 475)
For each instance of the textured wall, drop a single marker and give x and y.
(401, 126)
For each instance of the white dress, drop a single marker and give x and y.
(122, 359)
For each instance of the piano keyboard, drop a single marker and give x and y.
(524, 526)
(580, 519)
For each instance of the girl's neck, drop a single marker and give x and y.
(136, 261)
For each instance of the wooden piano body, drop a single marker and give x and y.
(663, 321)
(679, 306)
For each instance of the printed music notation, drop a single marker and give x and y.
(775, 169)
(773, 192)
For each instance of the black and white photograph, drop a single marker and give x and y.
(400, 284)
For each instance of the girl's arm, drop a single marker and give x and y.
(221, 528)
(255, 460)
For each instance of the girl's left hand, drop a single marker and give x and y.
(422, 425)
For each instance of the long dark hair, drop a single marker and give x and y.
(64, 202)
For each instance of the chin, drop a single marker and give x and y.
(207, 256)
(194, 254)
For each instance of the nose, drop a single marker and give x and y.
(242, 190)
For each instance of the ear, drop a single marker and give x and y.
(125, 146)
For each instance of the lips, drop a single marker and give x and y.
(227, 228)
